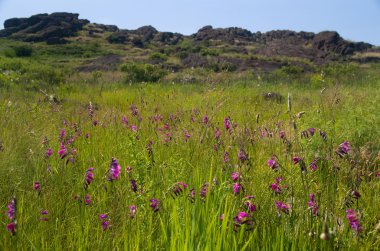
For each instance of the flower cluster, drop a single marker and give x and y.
(11, 227)
(115, 170)
(312, 205)
(353, 219)
(343, 149)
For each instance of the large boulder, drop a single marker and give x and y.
(169, 38)
(332, 42)
(230, 35)
(43, 27)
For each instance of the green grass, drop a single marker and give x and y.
(344, 112)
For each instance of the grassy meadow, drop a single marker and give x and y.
(139, 157)
(229, 168)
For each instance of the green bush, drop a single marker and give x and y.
(143, 72)
(223, 66)
(291, 70)
(183, 54)
(9, 53)
(25, 72)
(209, 52)
(158, 56)
(23, 50)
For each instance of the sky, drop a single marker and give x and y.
(355, 20)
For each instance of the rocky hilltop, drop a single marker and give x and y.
(218, 48)
(53, 28)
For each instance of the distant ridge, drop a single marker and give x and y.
(318, 48)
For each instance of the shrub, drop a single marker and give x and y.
(291, 70)
(143, 72)
(158, 56)
(23, 50)
(209, 52)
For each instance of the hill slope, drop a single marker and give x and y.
(105, 47)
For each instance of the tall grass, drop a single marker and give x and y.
(344, 113)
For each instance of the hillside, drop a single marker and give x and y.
(65, 40)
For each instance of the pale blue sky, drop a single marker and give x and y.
(357, 20)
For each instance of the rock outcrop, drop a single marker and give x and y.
(51, 28)
(143, 35)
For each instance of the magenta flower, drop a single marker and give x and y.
(105, 225)
(242, 156)
(62, 134)
(37, 186)
(168, 137)
(192, 119)
(187, 135)
(132, 210)
(184, 185)
(155, 204)
(11, 227)
(133, 185)
(313, 165)
(205, 119)
(172, 117)
(237, 188)
(178, 188)
(221, 217)
(158, 117)
(273, 164)
(243, 218)
(204, 190)
(281, 207)
(49, 152)
(355, 194)
(251, 206)
(216, 148)
(134, 128)
(218, 133)
(87, 199)
(134, 110)
(226, 157)
(354, 221)
(227, 123)
(282, 134)
(235, 176)
(299, 160)
(44, 212)
(276, 186)
(103, 217)
(343, 149)
(296, 159)
(87, 135)
(312, 205)
(62, 151)
(114, 171)
(12, 209)
(191, 195)
(167, 127)
(124, 120)
(89, 177)
(311, 131)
